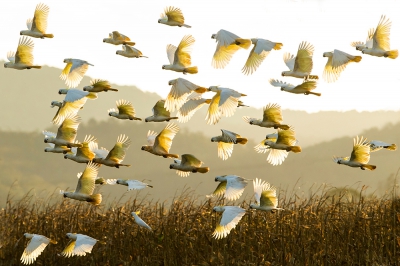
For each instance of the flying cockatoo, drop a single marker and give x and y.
(179, 57)
(130, 52)
(381, 42)
(265, 195)
(86, 184)
(159, 144)
(38, 25)
(131, 184)
(368, 43)
(117, 38)
(377, 145)
(226, 142)
(66, 132)
(301, 65)
(188, 164)
(83, 154)
(359, 156)
(189, 108)
(231, 215)
(230, 186)
(116, 155)
(74, 71)
(337, 62)
(79, 245)
(99, 85)
(272, 117)
(224, 103)
(259, 52)
(180, 91)
(23, 58)
(139, 220)
(160, 114)
(227, 44)
(173, 16)
(125, 111)
(278, 150)
(35, 247)
(304, 88)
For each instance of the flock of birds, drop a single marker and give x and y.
(186, 98)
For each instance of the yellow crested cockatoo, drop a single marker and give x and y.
(227, 44)
(35, 247)
(259, 52)
(336, 64)
(117, 38)
(38, 25)
(117, 154)
(304, 88)
(85, 187)
(377, 145)
(180, 91)
(173, 16)
(265, 195)
(188, 109)
(99, 85)
(130, 52)
(188, 164)
(230, 186)
(272, 117)
(179, 57)
(83, 154)
(160, 114)
(368, 42)
(231, 215)
(300, 65)
(125, 111)
(139, 220)
(131, 184)
(79, 245)
(359, 156)
(226, 142)
(23, 58)
(66, 132)
(381, 41)
(160, 144)
(74, 71)
(224, 103)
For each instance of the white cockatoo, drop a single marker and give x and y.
(381, 41)
(83, 154)
(259, 52)
(173, 16)
(230, 186)
(377, 145)
(117, 38)
(35, 247)
(336, 64)
(85, 187)
(188, 164)
(279, 149)
(224, 103)
(131, 184)
(188, 109)
(117, 154)
(160, 144)
(179, 57)
(180, 91)
(227, 44)
(74, 71)
(359, 156)
(130, 52)
(38, 25)
(265, 195)
(272, 117)
(226, 142)
(66, 132)
(160, 114)
(300, 65)
(139, 220)
(368, 42)
(99, 85)
(23, 58)
(231, 215)
(304, 88)
(124, 110)
(79, 245)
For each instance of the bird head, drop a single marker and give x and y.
(66, 156)
(159, 21)
(87, 88)
(62, 91)
(252, 206)
(46, 149)
(55, 103)
(171, 166)
(118, 181)
(214, 36)
(67, 60)
(283, 73)
(218, 209)
(46, 140)
(6, 64)
(163, 67)
(172, 82)
(213, 139)
(268, 143)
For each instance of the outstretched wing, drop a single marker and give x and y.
(303, 62)
(182, 56)
(24, 54)
(39, 21)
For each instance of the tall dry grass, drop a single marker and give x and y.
(318, 229)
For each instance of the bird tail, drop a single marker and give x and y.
(129, 43)
(78, 145)
(111, 89)
(284, 127)
(174, 117)
(295, 149)
(368, 167)
(357, 59)
(48, 35)
(393, 54)
(241, 141)
(137, 118)
(149, 186)
(171, 155)
(315, 93)
(37, 67)
(201, 90)
(312, 77)
(187, 26)
(53, 241)
(191, 70)
(392, 147)
(244, 43)
(203, 170)
(92, 95)
(95, 199)
(278, 46)
(127, 165)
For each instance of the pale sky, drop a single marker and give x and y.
(80, 26)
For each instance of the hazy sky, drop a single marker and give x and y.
(79, 27)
